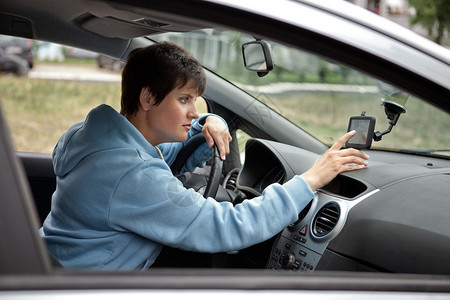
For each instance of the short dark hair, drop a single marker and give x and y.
(161, 67)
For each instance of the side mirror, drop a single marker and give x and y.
(258, 57)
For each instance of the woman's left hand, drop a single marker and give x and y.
(216, 132)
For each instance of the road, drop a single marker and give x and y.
(94, 73)
(73, 72)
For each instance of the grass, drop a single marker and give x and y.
(70, 61)
(422, 127)
(40, 111)
(325, 115)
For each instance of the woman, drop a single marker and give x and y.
(117, 203)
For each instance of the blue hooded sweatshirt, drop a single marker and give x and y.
(117, 202)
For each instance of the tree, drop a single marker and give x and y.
(434, 15)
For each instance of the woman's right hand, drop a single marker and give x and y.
(335, 161)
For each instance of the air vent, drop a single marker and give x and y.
(230, 184)
(326, 219)
(231, 179)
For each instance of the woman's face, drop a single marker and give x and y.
(171, 120)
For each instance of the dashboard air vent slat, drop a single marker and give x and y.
(326, 219)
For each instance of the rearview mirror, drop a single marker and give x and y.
(258, 57)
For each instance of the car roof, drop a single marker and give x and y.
(112, 19)
(387, 27)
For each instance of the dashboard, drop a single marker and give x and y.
(392, 216)
(388, 217)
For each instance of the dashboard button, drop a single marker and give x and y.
(304, 230)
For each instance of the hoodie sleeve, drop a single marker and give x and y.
(152, 203)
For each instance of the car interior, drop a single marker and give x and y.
(389, 219)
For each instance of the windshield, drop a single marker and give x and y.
(317, 95)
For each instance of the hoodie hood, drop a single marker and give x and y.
(104, 129)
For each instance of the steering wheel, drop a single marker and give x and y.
(216, 165)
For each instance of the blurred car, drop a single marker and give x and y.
(11, 63)
(18, 46)
(377, 233)
(16, 54)
(105, 61)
